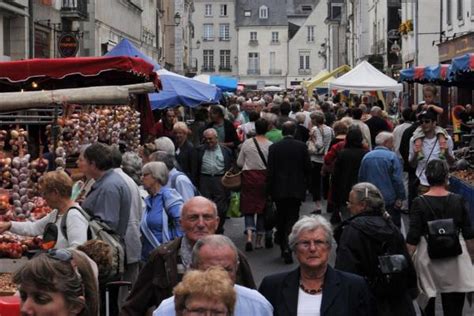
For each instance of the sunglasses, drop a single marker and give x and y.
(65, 255)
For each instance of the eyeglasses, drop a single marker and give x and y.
(306, 244)
(204, 312)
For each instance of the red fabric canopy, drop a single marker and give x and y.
(60, 73)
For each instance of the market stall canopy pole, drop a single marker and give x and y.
(106, 95)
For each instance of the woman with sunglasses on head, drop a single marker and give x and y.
(59, 282)
(56, 188)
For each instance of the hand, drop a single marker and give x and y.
(4, 226)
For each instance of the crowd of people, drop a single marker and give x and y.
(168, 204)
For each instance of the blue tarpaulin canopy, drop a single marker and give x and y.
(222, 82)
(177, 89)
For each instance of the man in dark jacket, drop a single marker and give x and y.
(363, 238)
(226, 133)
(376, 123)
(210, 162)
(288, 176)
(168, 263)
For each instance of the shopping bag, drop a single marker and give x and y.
(234, 205)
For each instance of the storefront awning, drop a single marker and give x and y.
(63, 73)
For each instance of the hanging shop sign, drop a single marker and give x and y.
(68, 45)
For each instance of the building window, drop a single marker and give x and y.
(223, 9)
(208, 60)
(247, 13)
(263, 12)
(253, 36)
(275, 38)
(272, 62)
(460, 12)
(208, 10)
(310, 34)
(304, 60)
(254, 64)
(448, 12)
(225, 60)
(335, 11)
(306, 8)
(224, 32)
(208, 32)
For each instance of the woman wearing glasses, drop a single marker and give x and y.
(365, 236)
(160, 222)
(315, 288)
(60, 282)
(56, 188)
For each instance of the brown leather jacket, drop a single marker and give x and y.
(160, 275)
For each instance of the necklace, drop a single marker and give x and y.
(311, 291)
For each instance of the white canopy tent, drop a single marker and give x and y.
(365, 77)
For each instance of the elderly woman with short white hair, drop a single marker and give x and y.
(315, 288)
(160, 222)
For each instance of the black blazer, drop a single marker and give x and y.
(344, 294)
(184, 158)
(196, 162)
(289, 169)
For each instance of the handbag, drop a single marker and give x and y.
(443, 235)
(269, 212)
(232, 179)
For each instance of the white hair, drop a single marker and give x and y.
(310, 223)
(165, 144)
(382, 137)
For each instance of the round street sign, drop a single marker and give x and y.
(68, 45)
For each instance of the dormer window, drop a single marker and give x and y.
(263, 12)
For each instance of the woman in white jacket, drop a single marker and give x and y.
(55, 187)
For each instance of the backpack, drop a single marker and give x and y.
(173, 182)
(394, 271)
(101, 231)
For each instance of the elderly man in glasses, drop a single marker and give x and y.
(168, 263)
(220, 251)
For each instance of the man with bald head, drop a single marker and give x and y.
(220, 251)
(168, 263)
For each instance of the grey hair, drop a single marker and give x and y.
(300, 117)
(382, 137)
(210, 130)
(271, 118)
(215, 241)
(310, 223)
(157, 170)
(376, 110)
(165, 144)
(368, 193)
(163, 156)
(318, 116)
(277, 99)
(132, 166)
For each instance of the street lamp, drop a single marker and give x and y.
(177, 18)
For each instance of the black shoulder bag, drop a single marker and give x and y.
(269, 212)
(443, 235)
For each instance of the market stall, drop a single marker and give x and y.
(73, 102)
(176, 89)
